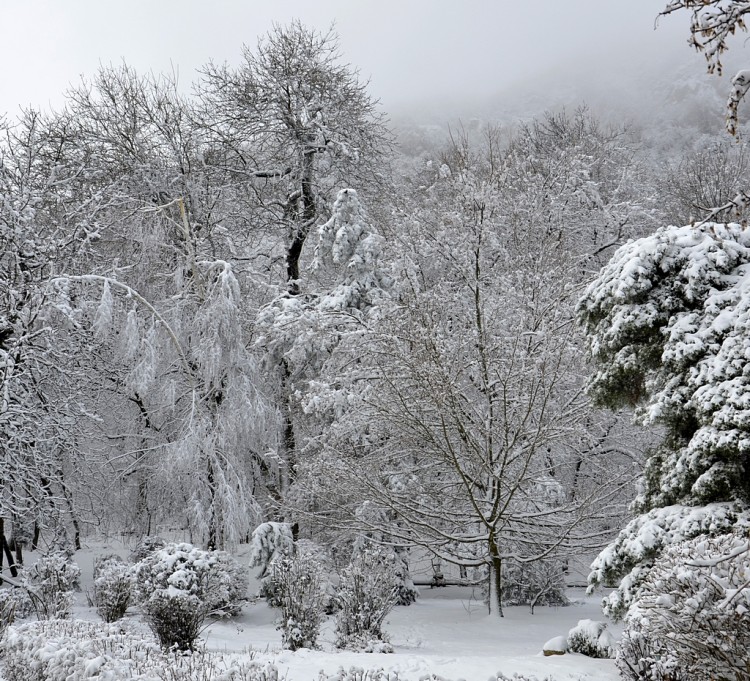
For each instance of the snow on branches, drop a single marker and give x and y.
(669, 327)
(668, 321)
(711, 24)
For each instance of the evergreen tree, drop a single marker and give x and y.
(668, 321)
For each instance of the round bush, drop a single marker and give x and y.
(180, 585)
(113, 587)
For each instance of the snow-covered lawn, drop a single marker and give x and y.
(445, 632)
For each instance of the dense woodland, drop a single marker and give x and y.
(263, 302)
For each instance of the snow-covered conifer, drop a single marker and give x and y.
(667, 320)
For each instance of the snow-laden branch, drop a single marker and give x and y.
(131, 293)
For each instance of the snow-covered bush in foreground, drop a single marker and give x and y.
(53, 578)
(180, 585)
(360, 674)
(592, 639)
(301, 593)
(61, 650)
(691, 617)
(368, 591)
(113, 587)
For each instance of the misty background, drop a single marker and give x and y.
(428, 61)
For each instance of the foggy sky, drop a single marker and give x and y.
(412, 51)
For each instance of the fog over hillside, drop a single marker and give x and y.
(666, 93)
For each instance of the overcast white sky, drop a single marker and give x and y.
(412, 50)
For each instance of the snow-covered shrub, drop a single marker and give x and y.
(374, 515)
(358, 674)
(180, 585)
(204, 666)
(640, 656)
(368, 591)
(301, 592)
(63, 650)
(270, 540)
(145, 547)
(53, 578)
(407, 592)
(7, 609)
(518, 677)
(234, 577)
(17, 602)
(592, 639)
(113, 587)
(691, 616)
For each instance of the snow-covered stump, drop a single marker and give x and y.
(555, 646)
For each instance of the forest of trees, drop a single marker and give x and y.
(252, 304)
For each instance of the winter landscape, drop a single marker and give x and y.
(294, 386)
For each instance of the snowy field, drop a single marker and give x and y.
(447, 632)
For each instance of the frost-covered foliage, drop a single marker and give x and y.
(53, 579)
(270, 541)
(59, 650)
(180, 585)
(368, 591)
(113, 587)
(39, 236)
(518, 677)
(358, 674)
(669, 328)
(691, 617)
(349, 246)
(301, 594)
(306, 332)
(592, 639)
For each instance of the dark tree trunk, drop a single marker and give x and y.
(9, 557)
(37, 535)
(495, 600)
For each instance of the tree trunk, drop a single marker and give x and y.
(213, 521)
(304, 220)
(495, 599)
(9, 556)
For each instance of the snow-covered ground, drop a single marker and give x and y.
(447, 632)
